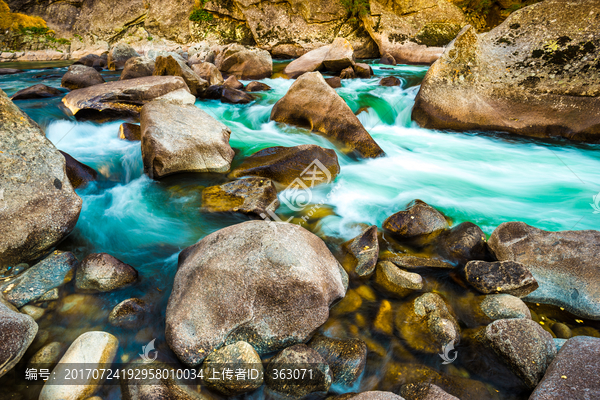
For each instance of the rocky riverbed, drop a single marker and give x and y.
(218, 210)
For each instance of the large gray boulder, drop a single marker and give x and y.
(80, 76)
(311, 103)
(119, 54)
(183, 139)
(573, 373)
(17, 331)
(267, 283)
(137, 67)
(38, 207)
(126, 98)
(519, 77)
(564, 264)
(245, 63)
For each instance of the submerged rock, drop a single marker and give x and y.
(427, 324)
(370, 395)
(500, 276)
(10, 71)
(415, 263)
(311, 103)
(80, 76)
(129, 314)
(462, 243)
(519, 78)
(346, 358)
(53, 271)
(245, 63)
(137, 67)
(95, 350)
(78, 173)
(254, 282)
(333, 57)
(364, 249)
(573, 373)
(17, 331)
(239, 355)
(564, 264)
(183, 139)
(309, 163)
(172, 66)
(524, 346)
(39, 91)
(390, 81)
(131, 132)
(299, 357)
(249, 196)
(504, 306)
(119, 54)
(48, 355)
(151, 387)
(418, 219)
(425, 391)
(34, 312)
(102, 272)
(396, 282)
(126, 98)
(209, 72)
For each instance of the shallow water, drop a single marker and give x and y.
(485, 178)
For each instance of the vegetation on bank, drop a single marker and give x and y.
(356, 8)
(199, 14)
(16, 21)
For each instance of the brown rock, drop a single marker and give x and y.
(390, 81)
(425, 391)
(312, 103)
(416, 220)
(79, 174)
(249, 196)
(257, 87)
(126, 98)
(334, 82)
(573, 373)
(412, 262)
(387, 59)
(302, 357)
(119, 54)
(234, 96)
(179, 139)
(363, 71)
(346, 358)
(370, 395)
(286, 165)
(506, 80)
(209, 72)
(396, 282)
(173, 66)
(333, 57)
(80, 76)
(233, 83)
(364, 249)
(102, 272)
(245, 63)
(287, 272)
(38, 206)
(137, 67)
(564, 264)
(500, 277)
(130, 132)
(17, 332)
(463, 243)
(129, 314)
(348, 73)
(39, 91)
(524, 345)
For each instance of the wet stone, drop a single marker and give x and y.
(47, 355)
(129, 314)
(395, 281)
(346, 358)
(425, 391)
(102, 272)
(415, 263)
(131, 132)
(500, 277)
(418, 219)
(364, 249)
(390, 81)
(504, 306)
(252, 195)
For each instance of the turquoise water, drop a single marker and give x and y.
(485, 178)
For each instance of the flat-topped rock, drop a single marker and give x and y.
(126, 98)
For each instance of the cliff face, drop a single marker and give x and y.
(287, 28)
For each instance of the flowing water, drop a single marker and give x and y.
(485, 178)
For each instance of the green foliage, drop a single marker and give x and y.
(34, 30)
(78, 36)
(149, 37)
(356, 8)
(199, 14)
